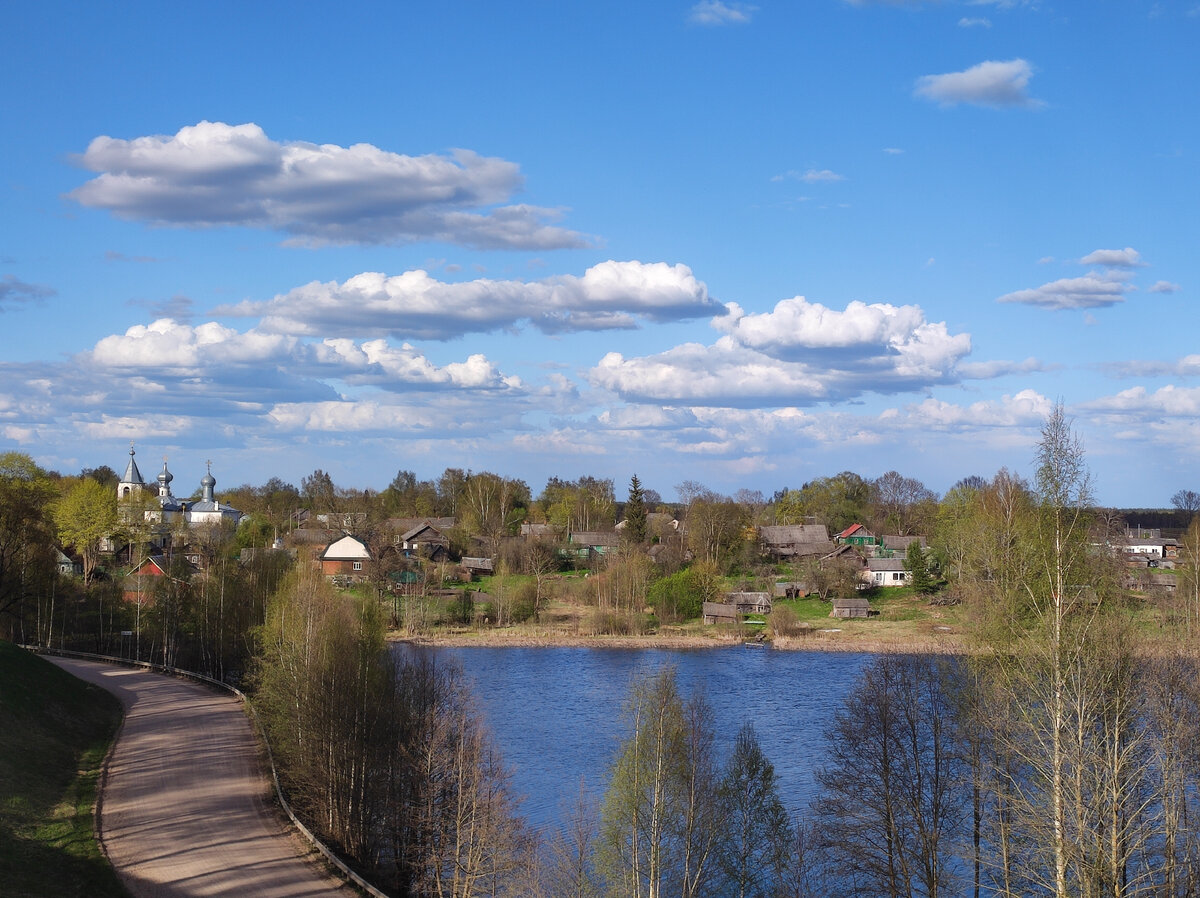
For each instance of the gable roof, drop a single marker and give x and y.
(405, 524)
(595, 538)
(854, 530)
(793, 534)
(419, 529)
(856, 603)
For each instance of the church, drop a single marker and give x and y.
(164, 508)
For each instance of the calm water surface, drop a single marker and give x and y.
(557, 713)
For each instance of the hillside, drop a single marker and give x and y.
(54, 731)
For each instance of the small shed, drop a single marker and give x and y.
(855, 607)
(791, 590)
(479, 565)
(720, 613)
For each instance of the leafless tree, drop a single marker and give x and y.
(892, 801)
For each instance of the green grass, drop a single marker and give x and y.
(54, 732)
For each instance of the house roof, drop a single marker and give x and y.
(654, 519)
(851, 603)
(596, 538)
(885, 564)
(854, 530)
(346, 549)
(793, 534)
(719, 609)
(419, 529)
(406, 524)
(152, 563)
(901, 542)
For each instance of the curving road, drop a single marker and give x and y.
(184, 809)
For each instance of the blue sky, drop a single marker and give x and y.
(743, 244)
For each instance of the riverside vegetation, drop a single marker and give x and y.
(1055, 753)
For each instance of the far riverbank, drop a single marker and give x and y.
(826, 640)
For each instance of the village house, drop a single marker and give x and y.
(586, 544)
(897, 546)
(68, 565)
(885, 572)
(425, 540)
(795, 541)
(736, 605)
(346, 557)
(478, 566)
(140, 583)
(856, 535)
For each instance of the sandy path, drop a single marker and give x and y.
(184, 810)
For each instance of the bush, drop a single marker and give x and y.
(678, 597)
(785, 622)
(524, 605)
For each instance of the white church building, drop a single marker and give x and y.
(169, 510)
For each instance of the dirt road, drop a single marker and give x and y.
(184, 810)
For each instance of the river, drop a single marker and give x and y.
(557, 713)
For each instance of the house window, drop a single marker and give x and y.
(897, 576)
(358, 565)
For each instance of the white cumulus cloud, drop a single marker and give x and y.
(415, 305)
(213, 174)
(989, 83)
(1114, 258)
(799, 354)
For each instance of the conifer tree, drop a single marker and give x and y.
(635, 513)
(917, 566)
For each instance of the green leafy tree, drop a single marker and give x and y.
(661, 815)
(26, 535)
(85, 515)
(681, 596)
(837, 502)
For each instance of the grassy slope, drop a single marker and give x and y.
(54, 731)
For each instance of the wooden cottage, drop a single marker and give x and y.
(848, 608)
(795, 541)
